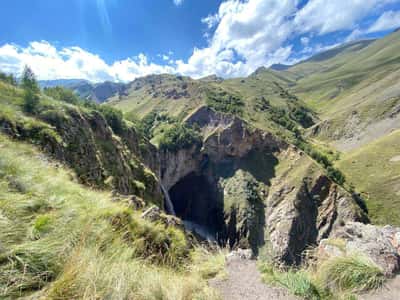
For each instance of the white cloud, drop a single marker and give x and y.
(387, 21)
(242, 36)
(324, 16)
(178, 2)
(247, 35)
(48, 62)
(210, 20)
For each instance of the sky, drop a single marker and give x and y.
(120, 40)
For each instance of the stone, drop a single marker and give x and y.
(240, 254)
(152, 214)
(380, 244)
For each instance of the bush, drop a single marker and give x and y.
(62, 94)
(114, 118)
(10, 79)
(298, 283)
(222, 101)
(179, 136)
(301, 115)
(350, 273)
(31, 101)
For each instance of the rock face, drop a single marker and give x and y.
(300, 215)
(273, 194)
(245, 186)
(88, 145)
(380, 244)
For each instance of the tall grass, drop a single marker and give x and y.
(298, 282)
(334, 278)
(61, 240)
(354, 273)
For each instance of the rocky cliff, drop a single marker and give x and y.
(271, 195)
(84, 140)
(243, 186)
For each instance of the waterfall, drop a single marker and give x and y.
(168, 203)
(202, 231)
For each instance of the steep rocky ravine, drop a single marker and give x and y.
(244, 186)
(254, 190)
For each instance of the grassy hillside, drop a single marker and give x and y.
(61, 240)
(260, 99)
(355, 89)
(374, 169)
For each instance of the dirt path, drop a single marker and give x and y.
(391, 291)
(244, 283)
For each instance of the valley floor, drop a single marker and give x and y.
(243, 281)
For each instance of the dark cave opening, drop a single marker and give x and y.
(198, 202)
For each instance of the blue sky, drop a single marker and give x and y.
(123, 39)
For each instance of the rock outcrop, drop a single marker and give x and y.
(85, 141)
(274, 195)
(248, 187)
(380, 244)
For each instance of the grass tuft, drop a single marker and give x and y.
(353, 273)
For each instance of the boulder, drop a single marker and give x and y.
(380, 244)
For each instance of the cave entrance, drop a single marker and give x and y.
(198, 202)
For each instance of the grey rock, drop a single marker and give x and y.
(380, 244)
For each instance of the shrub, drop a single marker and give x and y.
(31, 101)
(298, 283)
(114, 118)
(350, 273)
(62, 94)
(223, 101)
(179, 136)
(10, 79)
(336, 175)
(301, 115)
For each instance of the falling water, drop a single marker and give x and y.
(202, 231)
(168, 203)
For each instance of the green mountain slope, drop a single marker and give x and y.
(375, 170)
(260, 99)
(356, 91)
(60, 239)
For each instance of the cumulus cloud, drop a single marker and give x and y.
(48, 62)
(241, 36)
(328, 16)
(387, 21)
(247, 35)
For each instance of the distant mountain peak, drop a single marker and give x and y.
(279, 67)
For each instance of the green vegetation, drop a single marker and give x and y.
(62, 94)
(61, 240)
(8, 78)
(179, 136)
(222, 101)
(353, 273)
(374, 170)
(338, 277)
(323, 159)
(113, 117)
(31, 90)
(299, 283)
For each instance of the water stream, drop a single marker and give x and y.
(168, 203)
(202, 231)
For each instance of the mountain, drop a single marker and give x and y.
(279, 67)
(67, 83)
(98, 92)
(125, 199)
(344, 98)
